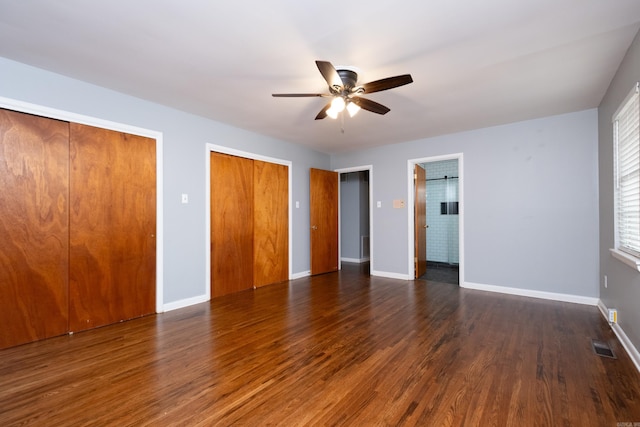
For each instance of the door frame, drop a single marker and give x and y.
(368, 168)
(53, 113)
(411, 207)
(247, 155)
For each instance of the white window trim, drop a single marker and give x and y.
(625, 257)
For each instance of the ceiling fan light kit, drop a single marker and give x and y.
(337, 106)
(345, 92)
(352, 109)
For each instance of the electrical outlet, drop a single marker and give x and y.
(613, 315)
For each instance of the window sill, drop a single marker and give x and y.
(627, 259)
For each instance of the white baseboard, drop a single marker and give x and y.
(632, 351)
(184, 303)
(355, 260)
(604, 310)
(577, 299)
(300, 275)
(203, 298)
(390, 275)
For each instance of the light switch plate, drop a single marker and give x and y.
(185, 198)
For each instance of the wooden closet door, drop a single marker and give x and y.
(323, 216)
(34, 202)
(420, 220)
(112, 255)
(271, 223)
(231, 224)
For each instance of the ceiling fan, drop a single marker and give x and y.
(346, 93)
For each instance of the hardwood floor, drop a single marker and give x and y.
(335, 349)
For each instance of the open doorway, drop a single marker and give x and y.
(355, 218)
(436, 206)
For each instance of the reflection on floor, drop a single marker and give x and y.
(363, 267)
(441, 272)
(436, 271)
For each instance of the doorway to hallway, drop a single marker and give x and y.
(355, 216)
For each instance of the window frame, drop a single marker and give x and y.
(627, 248)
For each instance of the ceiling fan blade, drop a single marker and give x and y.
(323, 113)
(388, 83)
(296, 95)
(330, 74)
(370, 105)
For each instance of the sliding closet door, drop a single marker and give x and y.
(112, 265)
(271, 223)
(231, 224)
(34, 199)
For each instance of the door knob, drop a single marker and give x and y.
(314, 227)
(426, 226)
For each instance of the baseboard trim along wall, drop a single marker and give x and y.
(300, 275)
(577, 299)
(632, 351)
(355, 260)
(185, 303)
(391, 275)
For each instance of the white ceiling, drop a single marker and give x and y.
(474, 63)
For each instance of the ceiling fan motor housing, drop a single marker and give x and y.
(349, 78)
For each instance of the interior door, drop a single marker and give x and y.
(112, 254)
(231, 224)
(271, 223)
(323, 189)
(34, 227)
(420, 220)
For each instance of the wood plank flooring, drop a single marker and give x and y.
(337, 349)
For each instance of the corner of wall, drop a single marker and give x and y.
(631, 350)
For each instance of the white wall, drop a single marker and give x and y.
(542, 172)
(364, 208)
(184, 140)
(623, 290)
(350, 217)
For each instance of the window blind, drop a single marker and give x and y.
(626, 128)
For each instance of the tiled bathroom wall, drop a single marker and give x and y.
(442, 234)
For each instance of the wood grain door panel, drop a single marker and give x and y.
(323, 188)
(231, 224)
(34, 227)
(420, 220)
(271, 223)
(112, 255)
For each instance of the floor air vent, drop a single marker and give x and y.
(602, 349)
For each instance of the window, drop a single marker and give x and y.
(626, 142)
(448, 208)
